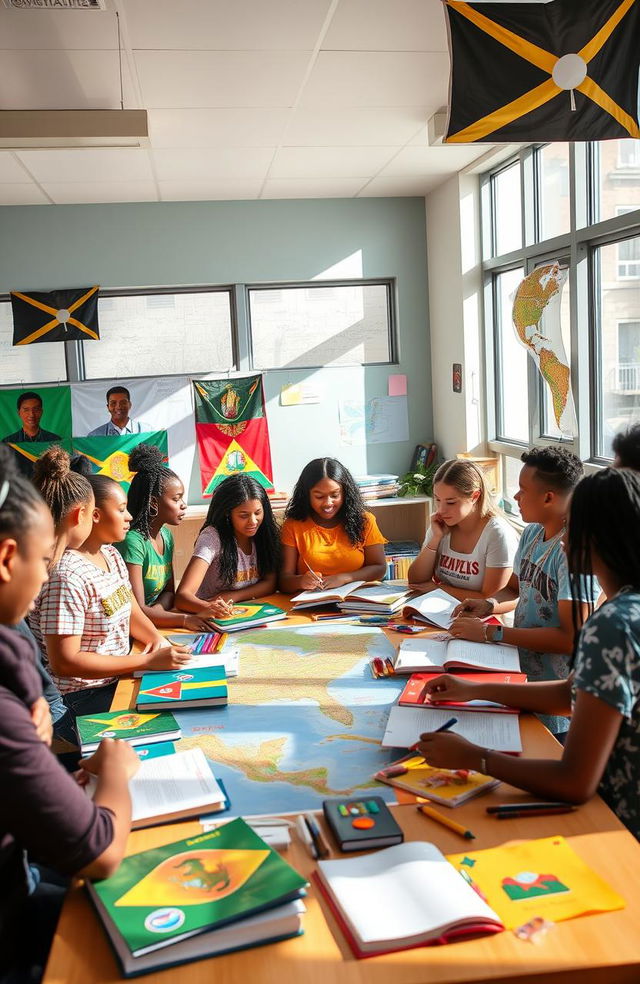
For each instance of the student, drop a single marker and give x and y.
(235, 556)
(119, 406)
(601, 749)
(469, 548)
(156, 502)
(543, 626)
(43, 811)
(626, 448)
(328, 539)
(87, 612)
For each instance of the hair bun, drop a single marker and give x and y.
(54, 465)
(145, 457)
(8, 467)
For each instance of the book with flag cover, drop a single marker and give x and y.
(448, 787)
(110, 455)
(248, 616)
(137, 729)
(413, 694)
(178, 689)
(55, 316)
(167, 894)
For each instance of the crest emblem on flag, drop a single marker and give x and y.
(55, 316)
(110, 455)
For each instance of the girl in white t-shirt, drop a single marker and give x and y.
(469, 548)
(235, 556)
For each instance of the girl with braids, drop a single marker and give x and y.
(235, 556)
(327, 537)
(156, 502)
(88, 612)
(601, 752)
(43, 811)
(469, 548)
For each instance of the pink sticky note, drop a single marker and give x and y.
(397, 385)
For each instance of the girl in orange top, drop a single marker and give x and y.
(327, 537)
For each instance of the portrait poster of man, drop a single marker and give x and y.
(33, 418)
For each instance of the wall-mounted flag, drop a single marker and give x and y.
(541, 72)
(55, 316)
(110, 455)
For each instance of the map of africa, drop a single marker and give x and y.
(304, 720)
(536, 319)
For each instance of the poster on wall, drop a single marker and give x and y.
(55, 316)
(32, 419)
(110, 455)
(232, 431)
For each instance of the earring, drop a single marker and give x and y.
(153, 511)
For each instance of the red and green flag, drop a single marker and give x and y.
(232, 431)
(110, 455)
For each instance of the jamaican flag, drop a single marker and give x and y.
(55, 316)
(110, 455)
(539, 72)
(232, 432)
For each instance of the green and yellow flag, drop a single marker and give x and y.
(110, 455)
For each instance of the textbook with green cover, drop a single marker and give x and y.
(203, 687)
(167, 894)
(247, 615)
(137, 729)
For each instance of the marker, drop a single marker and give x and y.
(548, 812)
(458, 828)
(305, 837)
(321, 846)
(521, 807)
(394, 770)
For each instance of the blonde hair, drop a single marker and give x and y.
(466, 478)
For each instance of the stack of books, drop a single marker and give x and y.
(179, 689)
(377, 486)
(137, 729)
(356, 597)
(399, 555)
(209, 894)
(277, 499)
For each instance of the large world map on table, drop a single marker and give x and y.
(304, 720)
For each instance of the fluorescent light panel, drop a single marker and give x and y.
(36, 129)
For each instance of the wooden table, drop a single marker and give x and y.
(603, 948)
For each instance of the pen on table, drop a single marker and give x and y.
(305, 836)
(458, 828)
(522, 807)
(548, 812)
(320, 844)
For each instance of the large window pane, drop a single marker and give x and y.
(42, 362)
(505, 194)
(161, 334)
(549, 426)
(320, 325)
(512, 399)
(511, 468)
(553, 190)
(617, 177)
(617, 341)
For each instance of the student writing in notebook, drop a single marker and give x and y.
(44, 814)
(543, 626)
(156, 503)
(235, 556)
(328, 538)
(469, 548)
(602, 748)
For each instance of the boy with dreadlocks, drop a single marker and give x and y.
(156, 502)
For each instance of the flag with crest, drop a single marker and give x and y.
(110, 455)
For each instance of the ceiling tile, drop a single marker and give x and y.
(22, 194)
(88, 164)
(381, 25)
(10, 169)
(203, 164)
(218, 24)
(401, 187)
(433, 160)
(378, 78)
(62, 80)
(312, 187)
(192, 79)
(86, 192)
(209, 191)
(217, 127)
(329, 162)
(58, 29)
(355, 126)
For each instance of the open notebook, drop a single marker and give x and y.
(499, 731)
(415, 655)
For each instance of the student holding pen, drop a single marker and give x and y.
(601, 752)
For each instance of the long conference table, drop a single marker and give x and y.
(603, 948)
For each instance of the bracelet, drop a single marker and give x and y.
(184, 621)
(493, 602)
(484, 758)
(429, 547)
(485, 629)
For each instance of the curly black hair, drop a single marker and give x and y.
(351, 513)
(626, 447)
(556, 467)
(149, 481)
(232, 492)
(20, 499)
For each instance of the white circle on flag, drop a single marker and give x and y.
(569, 71)
(63, 316)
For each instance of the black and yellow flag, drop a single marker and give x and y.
(55, 316)
(540, 72)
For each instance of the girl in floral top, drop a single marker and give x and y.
(602, 750)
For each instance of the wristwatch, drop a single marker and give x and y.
(498, 633)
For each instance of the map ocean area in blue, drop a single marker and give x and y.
(304, 720)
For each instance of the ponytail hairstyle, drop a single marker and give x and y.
(60, 487)
(466, 478)
(20, 501)
(604, 517)
(232, 492)
(103, 487)
(351, 513)
(149, 482)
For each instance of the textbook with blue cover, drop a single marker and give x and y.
(177, 689)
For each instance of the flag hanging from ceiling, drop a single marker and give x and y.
(110, 455)
(55, 316)
(232, 431)
(540, 72)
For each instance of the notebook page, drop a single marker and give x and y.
(437, 606)
(172, 783)
(426, 654)
(340, 592)
(491, 656)
(499, 731)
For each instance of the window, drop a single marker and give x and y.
(511, 468)
(628, 265)
(341, 324)
(552, 182)
(42, 362)
(511, 362)
(506, 209)
(629, 153)
(165, 333)
(617, 167)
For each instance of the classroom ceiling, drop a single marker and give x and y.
(247, 99)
